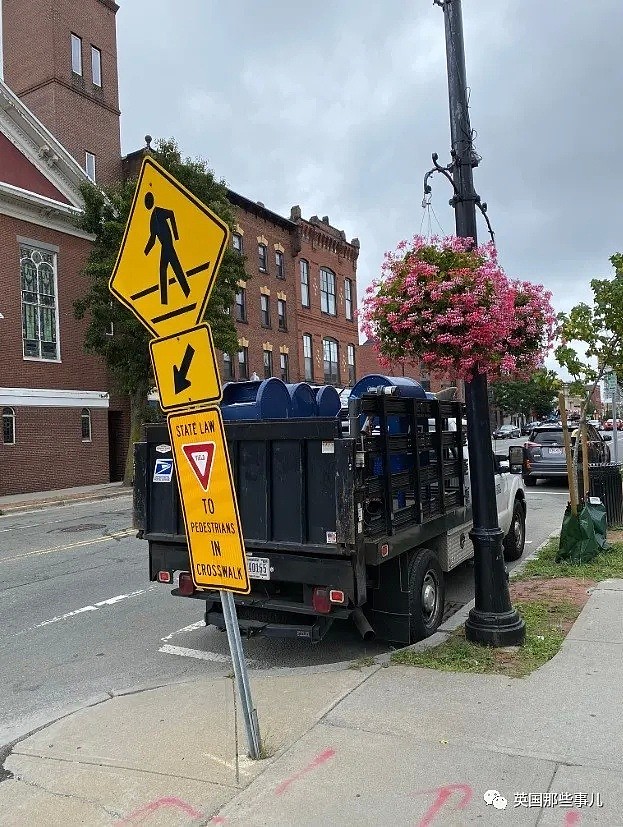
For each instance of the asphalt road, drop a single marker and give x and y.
(80, 620)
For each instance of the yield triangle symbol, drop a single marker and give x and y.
(200, 456)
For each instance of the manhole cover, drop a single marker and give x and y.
(73, 529)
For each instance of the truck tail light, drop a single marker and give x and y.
(186, 586)
(320, 600)
(337, 596)
(164, 576)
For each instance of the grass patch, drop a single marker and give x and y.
(546, 624)
(362, 663)
(607, 564)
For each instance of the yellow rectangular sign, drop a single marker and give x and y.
(206, 486)
(185, 368)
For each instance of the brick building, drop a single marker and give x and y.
(57, 415)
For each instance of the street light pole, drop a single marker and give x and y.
(493, 620)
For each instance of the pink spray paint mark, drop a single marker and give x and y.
(443, 794)
(318, 761)
(167, 801)
(572, 817)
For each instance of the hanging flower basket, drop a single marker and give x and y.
(451, 306)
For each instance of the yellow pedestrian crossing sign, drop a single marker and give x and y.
(170, 254)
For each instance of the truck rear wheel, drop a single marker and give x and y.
(514, 542)
(427, 591)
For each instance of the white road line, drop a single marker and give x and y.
(109, 602)
(183, 652)
(191, 628)
(116, 535)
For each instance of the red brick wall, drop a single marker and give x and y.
(255, 226)
(77, 370)
(17, 170)
(49, 452)
(322, 249)
(37, 67)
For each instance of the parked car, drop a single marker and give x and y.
(528, 427)
(544, 453)
(507, 432)
(609, 425)
(596, 423)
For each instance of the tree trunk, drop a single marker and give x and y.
(138, 408)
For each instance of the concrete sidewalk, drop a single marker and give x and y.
(372, 746)
(14, 503)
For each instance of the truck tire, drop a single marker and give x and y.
(515, 540)
(427, 591)
(530, 481)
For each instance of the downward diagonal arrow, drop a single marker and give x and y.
(180, 375)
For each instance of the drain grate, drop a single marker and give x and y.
(451, 609)
(74, 529)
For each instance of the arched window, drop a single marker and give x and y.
(86, 425)
(8, 426)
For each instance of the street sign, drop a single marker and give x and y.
(170, 254)
(185, 368)
(213, 530)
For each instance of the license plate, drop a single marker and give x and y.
(555, 450)
(259, 568)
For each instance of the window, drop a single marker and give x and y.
(86, 424)
(243, 362)
(350, 352)
(281, 313)
(330, 350)
(96, 66)
(284, 361)
(268, 364)
(76, 54)
(39, 303)
(281, 269)
(8, 426)
(327, 291)
(262, 254)
(241, 305)
(237, 242)
(89, 165)
(308, 361)
(304, 268)
(348, 299)
(229, 372)
(265, 311)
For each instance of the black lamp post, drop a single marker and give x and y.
(493, 620)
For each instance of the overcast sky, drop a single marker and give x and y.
(337, 106)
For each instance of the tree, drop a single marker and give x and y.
(598, 330)
(535, 397)
(126, 352)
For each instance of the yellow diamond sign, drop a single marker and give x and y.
(171, 251)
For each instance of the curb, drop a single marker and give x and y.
(18, 508)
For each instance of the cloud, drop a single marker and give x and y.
(338, 107)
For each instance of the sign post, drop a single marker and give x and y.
(171, 251)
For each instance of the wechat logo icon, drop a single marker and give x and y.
(494, 797)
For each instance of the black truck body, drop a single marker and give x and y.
(366, 517)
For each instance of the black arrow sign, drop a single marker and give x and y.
(180, 374)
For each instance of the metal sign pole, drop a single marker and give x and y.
(242, 677)
(615, 414)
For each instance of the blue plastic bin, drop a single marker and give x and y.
(303, 399)
(327, 400)
(268, 399)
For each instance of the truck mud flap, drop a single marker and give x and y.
(313, 632)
